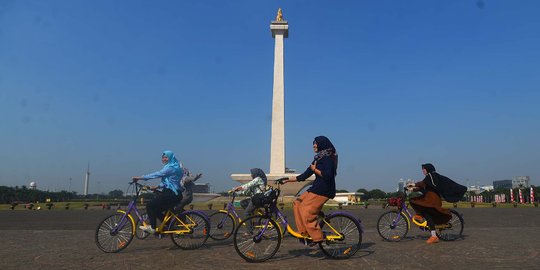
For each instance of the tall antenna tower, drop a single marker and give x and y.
(87, 180)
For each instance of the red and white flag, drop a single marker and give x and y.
(532, 195)
(520, 196)
(511, 195)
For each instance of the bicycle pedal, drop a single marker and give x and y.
(419, 219)
(122, 244)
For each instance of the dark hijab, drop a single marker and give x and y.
(325, 148)
(428, 167)
(444, 186)
(256, 172)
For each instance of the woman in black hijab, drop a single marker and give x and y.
(429, 205)
(310, 203)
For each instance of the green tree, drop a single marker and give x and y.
(365, 192)
(362, 190)
(377, 194)
(116, 193)
(394, 194)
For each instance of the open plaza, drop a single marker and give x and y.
(493, 238)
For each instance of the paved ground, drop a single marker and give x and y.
(494, 238)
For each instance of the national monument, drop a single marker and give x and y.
(280, 30)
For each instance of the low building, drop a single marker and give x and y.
(401, 185)
(520, 182)
(479, 189)
(348, 198)
(502, 184)
(201, 188)
(201, 193)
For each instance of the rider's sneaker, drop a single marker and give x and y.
(147, 228)
(433, 240)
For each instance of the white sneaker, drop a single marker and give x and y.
(147, 228)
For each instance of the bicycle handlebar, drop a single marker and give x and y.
(280, 180)
(141, 187)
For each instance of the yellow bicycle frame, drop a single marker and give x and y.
(424, 224)
(336, 236)
(184, 225)
(259, 212)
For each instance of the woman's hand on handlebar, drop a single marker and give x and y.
(290, 179)
(136, 178)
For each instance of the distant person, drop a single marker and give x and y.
(256, 185)
(187, 182)
(429, 205)
(170, 190)
(309, 204)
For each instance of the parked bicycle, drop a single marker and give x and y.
(188, 229)
(394, 225)
(224, 222)
(258, 238)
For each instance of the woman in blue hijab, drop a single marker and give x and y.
(171, 190)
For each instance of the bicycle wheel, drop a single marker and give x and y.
(197, 225)
(114, 233)
(351, 236)
(257, 239)
(261, 221)
(140, 234)
(222, 225)
(451, 230)
(393, 226)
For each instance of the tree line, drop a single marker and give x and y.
(24, 195)
(379, 194)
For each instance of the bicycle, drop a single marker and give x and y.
(261, 240)
(224, 222)
(394, 225)
(188, 229)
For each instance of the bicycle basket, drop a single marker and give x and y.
(395, 201)
(262, 199)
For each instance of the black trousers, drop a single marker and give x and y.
(164, 201)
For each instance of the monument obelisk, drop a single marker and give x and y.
(280, 30)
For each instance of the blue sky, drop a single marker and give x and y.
(393, 84)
